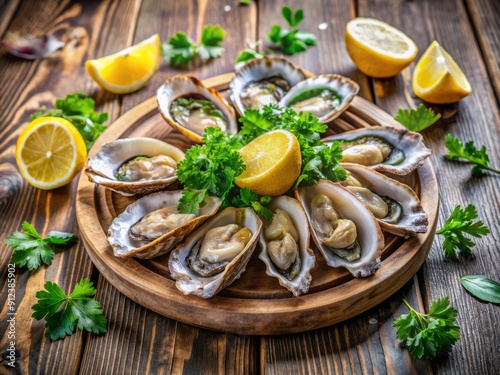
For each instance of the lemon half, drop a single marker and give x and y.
(128, 70)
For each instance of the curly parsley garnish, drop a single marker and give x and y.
(417, 119)
(78, 109)
(62, 313)
(429, 335)
(180, 50)
(31, 250)
(458, 151)
(459, 223)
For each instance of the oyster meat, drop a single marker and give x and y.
(395, 205)
(152, 225)
(325, 96)
(215, 254)
(383, 148)
(189, 106)
(342, 227)
(263, 81)
(135, 165)
(285, 246)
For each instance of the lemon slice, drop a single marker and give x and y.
(438, 78)
(378, 49)
(128, 70)
(50, 152)
(273, 162)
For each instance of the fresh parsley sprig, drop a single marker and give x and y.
(180, 50)
(429, 335)
(62, 313)
(78, 109)
(417, 119)
(249, 198)
(291, 41)
(31, 250)
(250, 52)
(458, 151)
(459, 223)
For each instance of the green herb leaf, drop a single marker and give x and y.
(245, 2)
(459, 223)
(274, 35)
(31, 250)
(429, 335)
(481, 287)
(248, 54)
(417, 119)
(62, 313)
(78, 109)
(307, 38)
(179, 50)
(249, 198)
(211, 38)
(458, 151)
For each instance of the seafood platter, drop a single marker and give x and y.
(330, 251)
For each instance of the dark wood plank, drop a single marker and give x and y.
(477, 119)
(486, 23)
(183, 348)
(29, 85)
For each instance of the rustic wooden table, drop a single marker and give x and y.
(140, 341)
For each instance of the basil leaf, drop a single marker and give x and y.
(482, 288)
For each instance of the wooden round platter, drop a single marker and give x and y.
(255, 304)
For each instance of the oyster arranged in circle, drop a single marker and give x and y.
(215, 254)
(285, 246)
(135, 165)
(188, 106)
(395, 205)
(383, 148)
(325, 96)
(263, 81)
(152, 225)
(343, 228)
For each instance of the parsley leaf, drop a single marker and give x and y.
(291, 41)
(429, 335)
(78, 109)
(249, 198)
(31, 250)
(459, 223)
(250, 52)
(180, 50)
(468, 152)
(417, 119)
(63, 312)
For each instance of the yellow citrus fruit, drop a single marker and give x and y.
(128, 70)
(378, 49)
(438, 78)
(273, 162)
(50, 152)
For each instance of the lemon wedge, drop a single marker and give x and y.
(128, 70)
(378, 49)
(438, 79)
(50, 152)
(273, 162)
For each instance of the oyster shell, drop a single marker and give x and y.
(149, 240)
(181, 259)
(325, 96)
(404, 150)
(157, 175)
(263, 81)
(410, 220)
(346, 207)
(187, 105)
(295, 257)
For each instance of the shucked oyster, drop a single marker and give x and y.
(383, 148)
(135, 165)
(285, 246)
(342, 227)
(395, 205)
(216, 254)
(263, 81)
(325, 96)
(187, 105)
(152, 226)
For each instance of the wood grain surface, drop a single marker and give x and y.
(140, 341)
